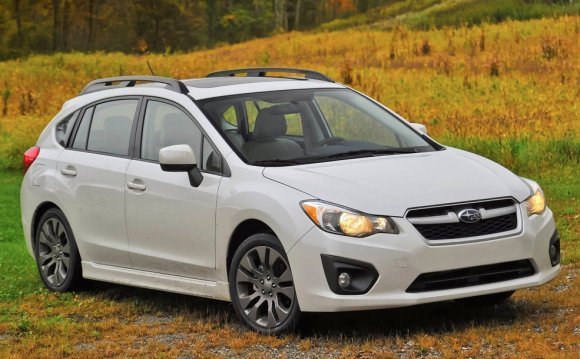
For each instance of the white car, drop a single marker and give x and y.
(280, 194)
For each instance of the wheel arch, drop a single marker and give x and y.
(40, 210)
(243, 230)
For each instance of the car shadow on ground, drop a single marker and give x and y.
(434, 318)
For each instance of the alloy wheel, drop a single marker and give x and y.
(54, 252)
(265, 287)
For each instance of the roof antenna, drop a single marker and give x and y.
(150, 68)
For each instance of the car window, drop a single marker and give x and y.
(230, 117)
(349, 122)
(211, 159)
(293, 120)
(64, 128)
(166, 125)
(110, 130)
(294, 124)
(80, 142)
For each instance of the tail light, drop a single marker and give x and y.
(30, 156)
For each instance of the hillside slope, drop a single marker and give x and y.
(424, 14)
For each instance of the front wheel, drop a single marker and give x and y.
(262, 287)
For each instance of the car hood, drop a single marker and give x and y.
(389, 185)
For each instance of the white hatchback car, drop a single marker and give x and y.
(282, 194)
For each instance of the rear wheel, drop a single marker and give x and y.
(57, 256)
(262, 287)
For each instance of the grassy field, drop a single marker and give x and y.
(424, 14)
(508, 91)
(107, 320)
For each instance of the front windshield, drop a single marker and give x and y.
(305, 126)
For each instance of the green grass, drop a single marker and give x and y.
(18, 276)
(424, 14)
(110, 320)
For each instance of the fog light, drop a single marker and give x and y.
(344, 280)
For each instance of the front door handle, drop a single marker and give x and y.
(136, 186)
(69, 171)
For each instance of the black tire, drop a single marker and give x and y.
(57, 256)
(487, 300)
(262, 286)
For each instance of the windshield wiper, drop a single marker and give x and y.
(349, 154)
(365, 153)
(277, 162)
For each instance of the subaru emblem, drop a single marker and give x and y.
(469, 215)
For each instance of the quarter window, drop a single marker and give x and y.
(64, 127)
(110, 130)
(212, 161)
(166, 125)
(80, 142)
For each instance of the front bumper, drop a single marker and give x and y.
(399, 259)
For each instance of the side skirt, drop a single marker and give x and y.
(158, 281)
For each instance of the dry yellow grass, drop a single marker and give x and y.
(113, 321)
(510, 79)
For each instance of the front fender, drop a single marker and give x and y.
(259, 198)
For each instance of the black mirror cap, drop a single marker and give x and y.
(193, 173)
(177, 168)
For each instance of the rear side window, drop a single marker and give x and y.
(64, 128)
(80, 142)
(110, 130)
(166, 125)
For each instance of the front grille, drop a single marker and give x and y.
(466, 277)
(440, 223)
(461, 230)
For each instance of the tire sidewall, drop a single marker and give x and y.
(256, 240)
(75, 273)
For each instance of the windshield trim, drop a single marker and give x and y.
(200, 104)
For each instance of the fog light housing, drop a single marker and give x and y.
(348, 276)
(554, 249)
(344, 280)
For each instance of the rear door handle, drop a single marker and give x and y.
(136, 186)
(69, 171)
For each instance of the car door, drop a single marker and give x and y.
(91, 179)
(170, 224)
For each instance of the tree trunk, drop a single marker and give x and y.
(211, 16)
(18, 17)
(297, 15)
(55, 24)
(90, 24)
(65, 24)
(281, 15)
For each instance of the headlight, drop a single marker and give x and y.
(537, 202)
(340, 220)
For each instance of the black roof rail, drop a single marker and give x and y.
(262, 71)
(130, 81)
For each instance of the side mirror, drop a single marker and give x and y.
(180, 158)
(419, 127)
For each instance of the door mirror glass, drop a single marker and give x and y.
(419, 127)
